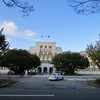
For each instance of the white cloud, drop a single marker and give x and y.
(9, 27)
(29, 34)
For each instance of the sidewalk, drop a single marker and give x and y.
(46, 75)
(13, 76)
(16, 78)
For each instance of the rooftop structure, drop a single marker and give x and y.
(45, 51)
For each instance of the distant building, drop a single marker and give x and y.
(4, 70)
(45, 51)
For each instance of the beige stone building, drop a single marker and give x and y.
(45, 51)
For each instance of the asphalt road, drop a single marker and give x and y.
(40, 88)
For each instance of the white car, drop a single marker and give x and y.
(55, 76)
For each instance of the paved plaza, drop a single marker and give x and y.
(42, 82)
(38, 87)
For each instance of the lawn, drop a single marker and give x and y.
(4, 81)
(97, 82)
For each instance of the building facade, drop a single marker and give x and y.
(4, 70)
(45, 51)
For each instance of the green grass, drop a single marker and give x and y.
(97, 82)
(4, 81)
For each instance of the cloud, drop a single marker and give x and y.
(10, 28)
(29, 34)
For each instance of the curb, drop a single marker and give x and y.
(6, 84)
(93, 84)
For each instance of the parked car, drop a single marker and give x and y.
(55, 76)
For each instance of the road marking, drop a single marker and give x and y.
(27, 95)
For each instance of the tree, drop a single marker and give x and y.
(85, 6)
(4, 45)
(57, 61)
(19, 60)
(68, 62)
(93, 52)
(25, 8)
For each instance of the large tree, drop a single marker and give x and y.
(85, 6)
(4, 45)
(19, 60)
(93, 52)
(68, 62)
(24, 7)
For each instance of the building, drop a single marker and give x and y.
(45, 51)
(4, 70)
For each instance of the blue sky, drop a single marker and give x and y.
(51, 17)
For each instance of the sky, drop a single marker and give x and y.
(52, 18)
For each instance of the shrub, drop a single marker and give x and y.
(97, 81)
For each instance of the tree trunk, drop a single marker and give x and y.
(70, 70)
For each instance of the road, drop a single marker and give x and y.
(40, 88)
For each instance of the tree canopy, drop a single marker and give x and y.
(85, 6)
(68, 62)
(94, 52)
(4, 45)
(19, 60)
(25, 8)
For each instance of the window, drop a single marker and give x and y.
(41, 46)
(45, 46)
(45, 52)
(50, 47)
(45, 57)
(49, 58)
(41, 57)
